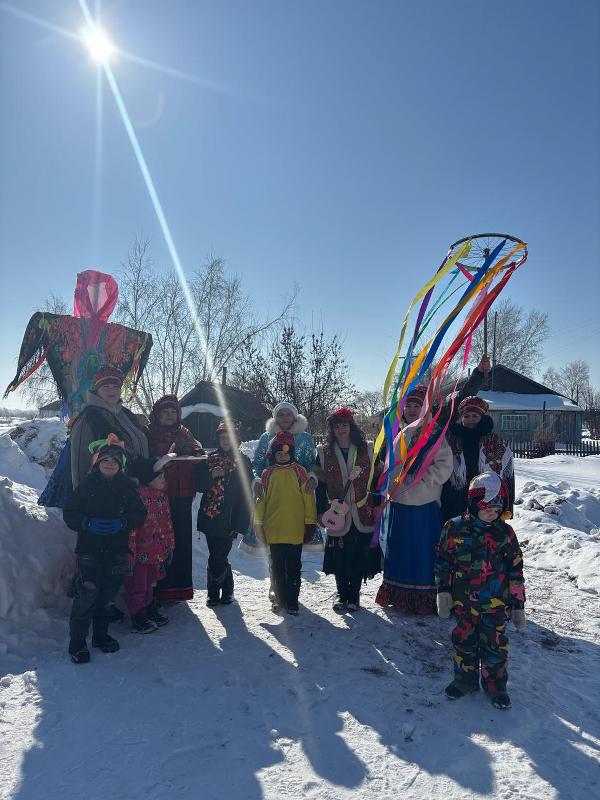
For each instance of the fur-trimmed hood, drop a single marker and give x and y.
(299, 426)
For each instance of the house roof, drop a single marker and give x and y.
(55, 405)
(215, 398)
(505, 379)
(514, 401)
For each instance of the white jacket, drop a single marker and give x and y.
(429, 488)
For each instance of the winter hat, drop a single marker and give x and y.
(222, 427)
(281, 441)
(487, 491)
(417, 394)
(341, 415)
(168, 401)
(474, 404)
(285, 406)
(107, 375)
(111, 447)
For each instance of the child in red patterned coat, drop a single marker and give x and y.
(152, 549)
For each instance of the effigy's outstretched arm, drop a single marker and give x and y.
(34, 348)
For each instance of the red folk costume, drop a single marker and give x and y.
(181, 489)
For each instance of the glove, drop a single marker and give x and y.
(309, 532)
(103, 527)
(444, 604)
(518, 618)
(163, 461)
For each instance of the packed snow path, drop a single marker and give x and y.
(240, 703)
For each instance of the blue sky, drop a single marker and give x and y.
(335, 144)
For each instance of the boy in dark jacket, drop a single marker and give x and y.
(225, 480)
(479, 578)
(104, 508)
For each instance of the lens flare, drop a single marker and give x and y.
(100, 47)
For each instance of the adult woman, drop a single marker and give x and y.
(166, 434)
(412, 524)
(104, 413)
(225, 480)
(475, 449)
(346, 456)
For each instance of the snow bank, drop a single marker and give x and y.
(36, 553)
(41, 440)
(559, 529)
(15, 465)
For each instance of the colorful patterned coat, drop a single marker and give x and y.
(154, 541)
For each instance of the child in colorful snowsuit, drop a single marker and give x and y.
(151, 547)
(225, 480)
(284, 518)
(103, 509)
(479, 578)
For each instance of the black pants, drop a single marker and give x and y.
(96, 584)
(219, 574)
(286, 567)
(178, 584)
(347, 557)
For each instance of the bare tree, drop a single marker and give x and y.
(195, 335)
(40, 388)
(572, 380)
(368, 402)
(520, 337)
(310, 371)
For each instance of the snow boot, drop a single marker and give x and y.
(227, 587)
(100, 637)
(339, 606)
(141, 624)
(501, 701)
(353, 605)
(78, 651)
(155, 616)
(293, 609)
(227, 599)
(213, 587)
(456, 690)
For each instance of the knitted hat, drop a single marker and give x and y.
(281, 441)
(487, 491)
(341, 415)
(476, 405)
(111, 447)
(108, 375)
(285, 406)
(417, 394)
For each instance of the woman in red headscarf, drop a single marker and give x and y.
(412, 523)
(344, 461)
(166, 434)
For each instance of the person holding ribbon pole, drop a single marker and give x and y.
(412, 523)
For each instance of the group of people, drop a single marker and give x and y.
(441, 540)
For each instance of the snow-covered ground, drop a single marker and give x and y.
(236, 702)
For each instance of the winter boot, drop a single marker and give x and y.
(456, 690)
(100, 637)
(78, 651)
(154, 615)
(339, 606)
(501, 701)
(141, 624)
(227, 587)
(293, 608)
(213, 586)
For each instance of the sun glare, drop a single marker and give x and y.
(100, 47)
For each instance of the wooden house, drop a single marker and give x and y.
(522, 408)
(208, 403)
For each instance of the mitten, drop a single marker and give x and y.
(103, 526)
(518, 618)
(309, 532)
(444, 604)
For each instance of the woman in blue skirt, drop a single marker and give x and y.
(412, 524)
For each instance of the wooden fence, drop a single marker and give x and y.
(540, 449)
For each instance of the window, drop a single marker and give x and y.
(514, 422)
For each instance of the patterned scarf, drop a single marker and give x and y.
(213, 498)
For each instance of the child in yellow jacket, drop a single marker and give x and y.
(285, 517)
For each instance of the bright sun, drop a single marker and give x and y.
(101, 49)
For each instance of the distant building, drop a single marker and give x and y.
(52, 409)
(207, 403)
(521, 408)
